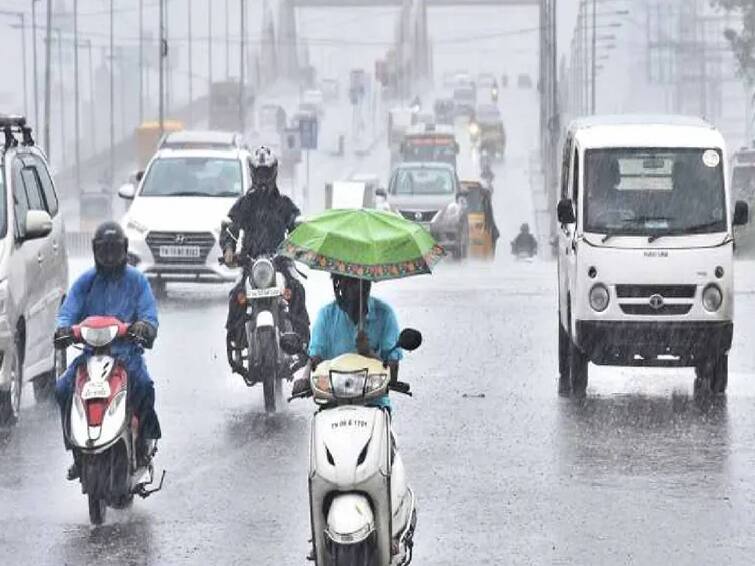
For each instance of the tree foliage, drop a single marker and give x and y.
(742, 41)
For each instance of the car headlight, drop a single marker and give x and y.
(599, 297)
(263, 273)
(136, 226)
(712, 298)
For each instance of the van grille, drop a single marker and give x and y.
(202, 240)
(424, 215)
(647, 291)
(647, 310)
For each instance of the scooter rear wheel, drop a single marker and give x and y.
(97, 510)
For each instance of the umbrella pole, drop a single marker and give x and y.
(361, 305)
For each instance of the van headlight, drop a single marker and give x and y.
(263, 273)
(599, 297)
(712, 298)
(135, 226)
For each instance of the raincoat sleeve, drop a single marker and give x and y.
(318, 344)
(72, 310)
(146, 306)
(389, 336)
(292, 214)
(236, 214)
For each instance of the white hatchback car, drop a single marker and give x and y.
(173, 224)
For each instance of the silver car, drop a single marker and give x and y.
(33, 269)
(428, 193)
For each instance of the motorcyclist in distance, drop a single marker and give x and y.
(265, 216)
(524, 242)
(113, 288)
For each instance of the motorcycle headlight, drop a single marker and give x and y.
(599, 297)
(263, 273)
(712, 298)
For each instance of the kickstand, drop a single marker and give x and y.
(144, 493)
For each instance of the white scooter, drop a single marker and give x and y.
(362, 510)
(100, 426)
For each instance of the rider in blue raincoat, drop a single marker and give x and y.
(112, 288)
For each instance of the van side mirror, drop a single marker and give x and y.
(127, 191)
(409, 339)
(38, 225)
(741, 213)
(381, 192)
(565, 212)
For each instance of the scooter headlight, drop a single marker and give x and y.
(712, 298)
(599, 297)
(348, 385)
(99, 337)
(263, 273)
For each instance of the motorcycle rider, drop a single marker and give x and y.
(265, 216)
(524, 242)
(112, 288)
(336, 329)
(487, 174)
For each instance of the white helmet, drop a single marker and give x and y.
(264, 168)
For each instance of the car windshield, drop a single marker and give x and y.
(430, 149)
(425, 181)
(193, 176)
(654, 191)
(743, 183)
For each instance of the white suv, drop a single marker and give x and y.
(33, 269)
(173, 224)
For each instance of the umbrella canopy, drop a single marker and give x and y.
(363, 243)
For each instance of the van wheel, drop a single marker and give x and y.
(712, 376)
(10, 401)
(564, 385)
(578, 362)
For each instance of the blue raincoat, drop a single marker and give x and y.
(127, 296)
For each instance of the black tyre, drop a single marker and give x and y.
(44, 385)
(10, 400)
(578, 363)
(712, 376)
(564, 383)
(97, 510)
(269, 367)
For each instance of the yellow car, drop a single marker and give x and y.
(483, 232)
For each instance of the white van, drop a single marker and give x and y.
(645, 248)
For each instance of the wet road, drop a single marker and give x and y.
(505, 471)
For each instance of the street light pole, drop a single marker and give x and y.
(227, 43)
(112, 95)
(209, 59)
(594, 44)
(34, 55)
(161, 58)
(92, 125)
(191, 68)
(242, 114)
(48, 72)
(141, 61)
(61, 78)
(76, 91)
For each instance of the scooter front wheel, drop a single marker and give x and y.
(269, 363)
(97, 510)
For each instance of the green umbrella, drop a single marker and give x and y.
(362, 243)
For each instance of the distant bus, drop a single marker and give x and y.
(224, 106)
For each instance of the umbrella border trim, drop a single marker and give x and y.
(379, 272)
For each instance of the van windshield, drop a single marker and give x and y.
(193, 176)
(654, 191)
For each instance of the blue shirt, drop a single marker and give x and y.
(334, 333)
(126, 296)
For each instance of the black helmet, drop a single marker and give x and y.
(525, 228)
(110, 247)
(264, 168)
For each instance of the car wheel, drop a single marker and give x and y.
(44, 385)
(10, 400)
(564, 383)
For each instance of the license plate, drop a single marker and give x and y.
(263, 293)
(95, 390)
(179, 251)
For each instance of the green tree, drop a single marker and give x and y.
(742, 41)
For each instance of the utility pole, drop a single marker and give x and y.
(141, 61)
(191, 68)
(34, 55)
(209, 59)
(593, 63)
(48, 69)
(163, 46)
(76, 91)
(92, 125)
(62, 95)
(227, 43)
(242, 109)
(112, 95)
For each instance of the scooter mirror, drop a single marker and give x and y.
(410, 339)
